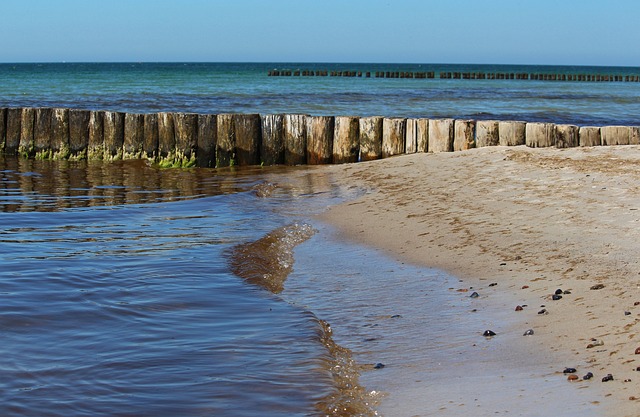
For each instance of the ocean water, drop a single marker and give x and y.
(246, 88)
(126, 290)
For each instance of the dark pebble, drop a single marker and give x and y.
(607, 378)
(528, 333)
(597, 287)
(489, 333)
(493, 284)
(474, 295)
(378, 366)
(556, 297)
(589, 375)
(503, 264)
(518, 308)
(638, 351)
(396, 316)
(638, 369)
(569, 371)
(566, 292)
(627, 313)
(543, 311)
(558, 291)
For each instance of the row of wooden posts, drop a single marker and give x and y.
(459, 75)
(220, 140)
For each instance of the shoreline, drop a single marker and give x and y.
(546, 219)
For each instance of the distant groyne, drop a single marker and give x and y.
(222, 140)
(475, 75)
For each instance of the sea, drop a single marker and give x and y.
(131, 290)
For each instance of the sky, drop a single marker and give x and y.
(553, 32)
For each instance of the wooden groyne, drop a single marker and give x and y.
(222, 140)
(448, 75)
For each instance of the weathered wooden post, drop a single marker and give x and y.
(422, 135)
(12, 138)
(589, 136)
(346, 146)
(207, 134)
(166, 135)
(539, 135)
(566, 136)
(3, 128)
(133, 147)
(487, 133)
(186, 132)
(226, 141)
(151, 135)
(615, 135)
(27, 125)
(393, 136)
(411, 136)
(295, 139)
(79, 133)
(95, 149)
(113, 134)
(319, 139)
(441, 135)
(370, 138)
(634, 139)
(272, 147)
(42, 136)
(248, 131)
(464, 135)
(512, 133)
(60, 133)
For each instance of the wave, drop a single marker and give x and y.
(267, 262)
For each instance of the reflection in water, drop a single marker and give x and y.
(36, 185)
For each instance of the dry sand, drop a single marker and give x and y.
(543, 219)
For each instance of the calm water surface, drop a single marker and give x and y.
(246, 88)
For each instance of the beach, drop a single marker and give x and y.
(516, 225)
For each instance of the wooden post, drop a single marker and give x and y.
(615, 135)
(27, 125)
(186, 134)
(42, 135)
(207, 133)
(113, 134)
(422, 134)
(411, 136)
(319, 139)
(634, 139)
(272, 147)
(393, 136)
(133, 135)
(512, 133)
(95, 149)
(166, 135)
(589, 136)
(295, 139)
(3, 128)
(346, 146)
(566, 136)
(226, 141)
(248, 133)
(487, 133)
(151, 135)
(79, 132)
(12, 138)
(370, 138)
(441, 135)
(464, 135)
(539, 135)
(60, 133)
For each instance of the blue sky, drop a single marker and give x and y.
(585, 32)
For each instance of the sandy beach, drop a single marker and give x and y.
(517, 225)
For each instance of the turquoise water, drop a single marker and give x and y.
(246, 88)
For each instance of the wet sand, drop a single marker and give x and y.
(531, 221)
